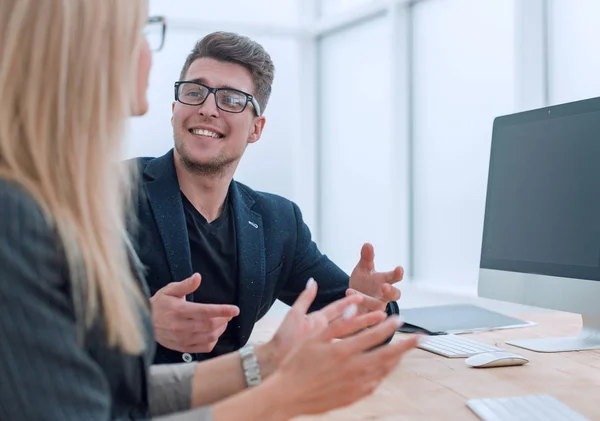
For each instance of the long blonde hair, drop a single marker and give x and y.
(67, 72)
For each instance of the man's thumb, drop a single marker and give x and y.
(183, 288)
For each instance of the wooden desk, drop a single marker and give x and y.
(429, 387)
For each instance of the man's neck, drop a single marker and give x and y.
(206, 193)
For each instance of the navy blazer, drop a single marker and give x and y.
(276, 254)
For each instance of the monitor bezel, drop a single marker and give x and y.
(585, 106)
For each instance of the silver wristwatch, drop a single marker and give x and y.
(250, 366)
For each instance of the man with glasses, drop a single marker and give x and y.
(218, 254)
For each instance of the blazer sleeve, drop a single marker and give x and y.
(170, 392)
(310, 262)
(46, 375)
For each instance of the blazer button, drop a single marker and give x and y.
(187, 357)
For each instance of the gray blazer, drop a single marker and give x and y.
(50, 367)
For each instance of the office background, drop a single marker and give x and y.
(379, 124)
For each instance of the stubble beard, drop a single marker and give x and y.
(215, 168)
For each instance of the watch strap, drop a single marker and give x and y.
(250, 366)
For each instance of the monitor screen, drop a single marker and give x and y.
(542, 212)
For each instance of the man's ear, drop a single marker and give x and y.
(257, 128)
(172, 111)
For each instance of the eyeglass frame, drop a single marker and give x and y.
(249, 98)
(163, 21)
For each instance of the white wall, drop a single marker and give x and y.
(464, 58)
(574, 50)
(279, 12)
(337, 7)
(356, 164)
(272, 163)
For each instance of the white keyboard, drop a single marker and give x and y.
(454, 346)
(523, 408)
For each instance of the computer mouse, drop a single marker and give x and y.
(495, 359)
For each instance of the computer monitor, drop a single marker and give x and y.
(541, 234)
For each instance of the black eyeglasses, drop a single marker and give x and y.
(226, 99)
(155, 32)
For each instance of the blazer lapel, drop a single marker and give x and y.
(165, 199)
(251, 260)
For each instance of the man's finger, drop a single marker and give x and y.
(198, 310)
(220, 330)
(203, 346)
(204, 337)
(367, 258)
(394, 276)
(182, 288)
(336, 309)
(369, 303)
(389, 293)
(306, 297)
(204, 325)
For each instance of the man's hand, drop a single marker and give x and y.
(375, 286)
(184, 326)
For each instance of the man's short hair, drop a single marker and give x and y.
(233, 48)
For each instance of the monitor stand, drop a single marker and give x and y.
(588, 338)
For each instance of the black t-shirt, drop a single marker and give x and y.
(214, 257)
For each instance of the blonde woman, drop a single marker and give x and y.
(76, 336)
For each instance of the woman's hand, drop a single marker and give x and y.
(323, 374)
(297, 325)
(315, 372)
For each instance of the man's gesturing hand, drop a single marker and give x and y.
(185, 326)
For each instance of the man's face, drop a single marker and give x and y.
(209, 140)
